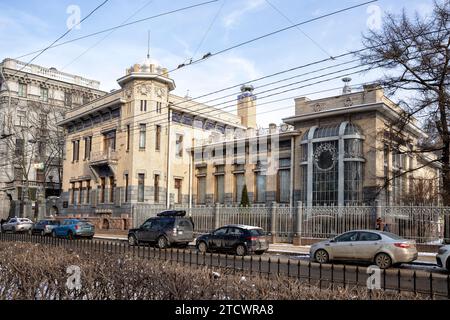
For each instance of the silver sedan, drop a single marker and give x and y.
(17, 225)
(382, 248)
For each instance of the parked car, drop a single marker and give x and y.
(240, 239)
(166, 229)
(17, 225)
(382, 248)
(74, 228)
(44, 227)
(443, 257)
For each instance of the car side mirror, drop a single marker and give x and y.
(333, 240)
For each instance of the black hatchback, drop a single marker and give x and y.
(167, 229)
(239, 239)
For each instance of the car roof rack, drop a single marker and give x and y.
(172, 213)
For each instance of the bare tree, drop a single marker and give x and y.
(415, 54)
(32, 140)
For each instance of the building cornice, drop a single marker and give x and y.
(378, 106)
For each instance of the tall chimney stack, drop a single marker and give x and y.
(246, 106)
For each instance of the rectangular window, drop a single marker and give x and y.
(260, 182)
(128, 137)
(284, 190)
(80, 192)
(158, 107)
(201, 190)
(239, 181)
(158, 138)
(102, 189)
(143, 105)
(156, 188)
(87, 148)
(87, 199)
(21, 116)
(126, 187)
(20, 148)
(76, 150)
(141, 185)
(40, 176)
(142, 135)
(44, 94)
(179, 145)
(112, 189)
(109, 141)
(72, 193)
(220, 189)
(178, 191)
(22, 90)
(67, 99)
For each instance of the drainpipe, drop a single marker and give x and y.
(291, 202)
(191, 161)
(168, 158)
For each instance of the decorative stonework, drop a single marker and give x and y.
(348, 102)
(325, 157)
(317, 107)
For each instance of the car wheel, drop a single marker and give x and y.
(448, 264)
(383, 261)
(241, 250)
(70, 235)
(202, 247)
(321, 256)
(162, 242)
(132, 241)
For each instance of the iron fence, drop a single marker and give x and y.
(324, 276)
(285, 223)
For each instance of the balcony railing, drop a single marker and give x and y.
(104, 157)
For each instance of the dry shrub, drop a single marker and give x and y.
(35, 271)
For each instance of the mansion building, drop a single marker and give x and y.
(142, 144)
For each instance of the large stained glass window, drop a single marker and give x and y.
(332, 165)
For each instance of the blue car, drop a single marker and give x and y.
(74, 228)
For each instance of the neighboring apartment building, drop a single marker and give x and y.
(130, 147)
(352, 151)
(32, 100)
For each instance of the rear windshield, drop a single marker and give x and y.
(184, 224)
(53, 223)
(256, 232)
(392, 236)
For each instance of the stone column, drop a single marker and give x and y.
(216, 217)
(297, 241)
(273, 221)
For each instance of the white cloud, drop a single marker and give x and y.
(232, 19)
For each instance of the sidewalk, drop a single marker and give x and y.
(281, 248)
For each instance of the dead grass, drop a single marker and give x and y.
(35, 271)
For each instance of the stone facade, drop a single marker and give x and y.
(32, 100)
(389, 164)
(132, 141)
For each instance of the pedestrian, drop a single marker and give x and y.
(380, 224)
(1, 224)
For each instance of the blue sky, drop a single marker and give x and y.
(29, 25)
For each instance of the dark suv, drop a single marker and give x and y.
(168, 228)
(239, 239)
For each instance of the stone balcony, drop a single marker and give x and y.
(108, 157)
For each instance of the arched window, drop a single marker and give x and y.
(332, 165)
